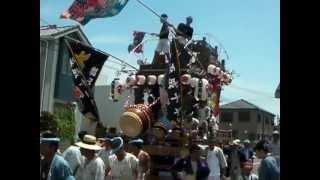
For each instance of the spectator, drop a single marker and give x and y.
(106, 151)
(92, 166)
(191, 167)
(121, 165)
(234, 154)
(216, 161)
(246, 171)
(144, 167)
(275, 146)
(73, 155)
(268, 169)
(247, 151)
(54, 167)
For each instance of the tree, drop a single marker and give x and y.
(66, 122)
(48, 122)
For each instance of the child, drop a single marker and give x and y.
(246, 168)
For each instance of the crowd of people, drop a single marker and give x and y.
(113, 158)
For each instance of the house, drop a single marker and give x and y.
(56, 82)
(246, 120)
(277, 93)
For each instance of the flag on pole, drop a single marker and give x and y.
(89, 60)
(86, 64)
(137, 39)
(83, 11)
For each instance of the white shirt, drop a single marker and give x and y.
(91, 170)
(73, 156)
(123, 170)
(215, 159)
(104, 155)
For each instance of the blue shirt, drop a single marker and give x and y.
(268, 169)
(59, 169)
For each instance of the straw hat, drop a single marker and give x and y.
(236, 142)
(89, 142)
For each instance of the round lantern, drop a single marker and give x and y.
(160, 79)
(185, 79)
(194, 82)
(152, 80)
(211, 69)
(216, 71)
(131, 80)
(141, 80)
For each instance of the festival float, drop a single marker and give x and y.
(168, 94)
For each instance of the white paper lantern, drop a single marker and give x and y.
(160, 79)
(131, 80)
(216, 71)
(211, 68)
(141, 80)
(204, 88)
(152, 80)
(194, 82)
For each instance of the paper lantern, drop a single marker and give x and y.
(141, 80)
(116, 89)
(160, 79)
(131, 80)
(185, 79)
(204, 90)
(152, 80)
(211, 69)
(216, 71)
(194, 82)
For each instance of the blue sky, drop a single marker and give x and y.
(248, 29)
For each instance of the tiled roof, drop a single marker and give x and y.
(242, 104)
(54, 30)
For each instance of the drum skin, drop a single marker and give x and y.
(136, 120)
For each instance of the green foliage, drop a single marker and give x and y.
(48, 122)
(66, 122)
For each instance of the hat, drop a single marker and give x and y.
(236, 142)
(116, 144)
(49, 137)
(136, 142)
(275, 132)
(89, 142)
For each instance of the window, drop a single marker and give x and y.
(244, 116)
(266, 120)
(226, 117)
(259, 118)
(64, 60)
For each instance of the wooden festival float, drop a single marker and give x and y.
(199, 76)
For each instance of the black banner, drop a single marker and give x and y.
(86, 64)
(172, 84)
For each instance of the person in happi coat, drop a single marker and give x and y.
(73, 155)
(184, 31)
(122, 165)
(144, 167)
(268, 169)
(92, 167)
(193, 167)
(54, 166)
(164, 43)
(216, 161)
